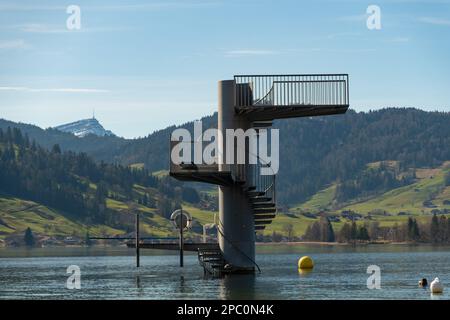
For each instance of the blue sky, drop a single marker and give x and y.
(144, 66)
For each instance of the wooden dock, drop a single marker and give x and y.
(188, 246)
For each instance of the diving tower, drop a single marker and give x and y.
(247, 198)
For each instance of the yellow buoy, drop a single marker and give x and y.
(305, 263)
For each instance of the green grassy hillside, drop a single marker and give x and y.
(427, 194)
(419, 199)
(16, 215)
(411, 198)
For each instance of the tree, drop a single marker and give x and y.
(87, 239)
(326, 228)
(56, 149)
(321, 230)
(190, 195)
(345, 233)
(29, 238)
(447, 179)
(412, 230)
(448, 230)
(288, 228)
(363, 234)
(315, 232)
(276, 237)
(415, 231)
(374, 229)
(434, 229)
(443, 237)
(353, 231)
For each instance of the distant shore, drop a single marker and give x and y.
(285, 243)
(294, 243)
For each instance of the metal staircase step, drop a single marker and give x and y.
(264, 210)
(211, 260)
(264, 217)
(260, 228)
(263, 205)
(259, 199)
(262, 222)
(262, 124)
(255, 193)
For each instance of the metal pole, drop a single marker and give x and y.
(137, 241)
(181, 239)
(204, 234)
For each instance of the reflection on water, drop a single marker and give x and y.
(239, 286)
(339, 273)
(304, 272)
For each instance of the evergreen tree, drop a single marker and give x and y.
(56, 149)
(29, 238)
(345, 234)
(363, 234)
(443, 229)
(434, 229)
(329, 231)
(87, 239)
(354, 231)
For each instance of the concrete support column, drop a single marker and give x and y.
(236, 223)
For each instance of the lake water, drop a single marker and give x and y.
(339, 273)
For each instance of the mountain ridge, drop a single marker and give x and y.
(84, 127)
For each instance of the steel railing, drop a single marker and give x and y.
(262, 183)
(249, 173)
(291, 90)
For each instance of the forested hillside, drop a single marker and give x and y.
(377, 168)
(314, 152)
(74, 188)
(100, 148)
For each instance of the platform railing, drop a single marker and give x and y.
(262, 183)
(291, 90)
(249, 173)
(176, 161)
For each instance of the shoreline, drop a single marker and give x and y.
(261, 244)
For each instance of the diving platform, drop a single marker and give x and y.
(247, 192)
(269, 97)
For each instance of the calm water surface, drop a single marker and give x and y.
(339, 273)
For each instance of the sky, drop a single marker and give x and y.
(143, 66)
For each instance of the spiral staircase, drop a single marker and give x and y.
(258, 100)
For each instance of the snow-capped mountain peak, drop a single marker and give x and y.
(85, 127)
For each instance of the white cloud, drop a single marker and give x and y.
(13, 44)
(399, 40)
(354, 18)
(249, 52)
(344, 35)
(63, 90)
(56, 29)
(28, 7)
(435, 21)
(156, 5)
(40, 28)
(13, 88)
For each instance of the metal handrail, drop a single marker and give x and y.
(219, 229)
(291, 90)
(250, 172)
(262, 183)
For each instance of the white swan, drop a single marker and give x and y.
(436, 286)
